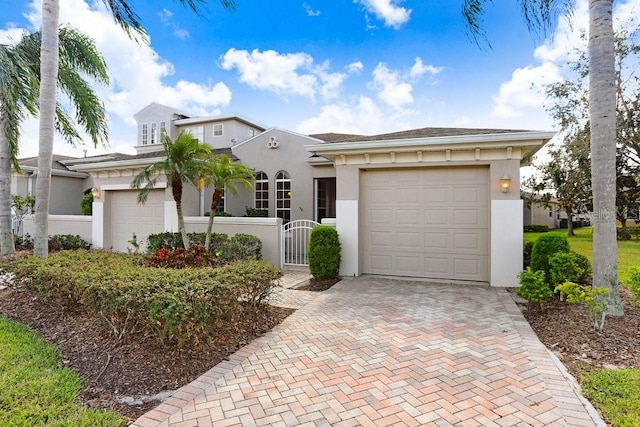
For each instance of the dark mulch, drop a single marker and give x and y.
(135, 367)
(318, 285)
(567, 330)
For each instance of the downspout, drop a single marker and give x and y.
(202, 202)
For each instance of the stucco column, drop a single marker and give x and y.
(348, 218)
(97, 224)
(506, 225)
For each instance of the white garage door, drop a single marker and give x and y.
(128, 217)
(430, 222)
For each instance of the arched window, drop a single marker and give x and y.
(261, 200)
(283, 196)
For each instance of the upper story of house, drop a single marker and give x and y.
(219, 132)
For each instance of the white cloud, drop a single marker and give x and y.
(363, 118)
(310, 11)
(419, 69)
(11, 34)
(388, 11)
(355, 67)
(166, 16)
(137, 72)
(523, 91)
(391, 90)
(284, 74)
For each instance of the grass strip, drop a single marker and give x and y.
(35, 390)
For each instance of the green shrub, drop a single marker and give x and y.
(526, 254)
(630, 233)
(172, 241)
(584, 264)
(533, 286)
(69, 242)
(186, 305)
(253, 212)
(564, 267)
(24, 242)
(634, 283)
(194, 257)
(544, 248)
(590, 297)
(324, 252)
(86, 204)
(241, 247)
(536, 228)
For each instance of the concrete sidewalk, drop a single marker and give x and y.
(384, 352)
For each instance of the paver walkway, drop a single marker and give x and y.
(387, 352)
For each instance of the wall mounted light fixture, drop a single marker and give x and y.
(96, 193)
(505, 183)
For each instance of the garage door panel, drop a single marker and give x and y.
(128, 217)
(434, 223)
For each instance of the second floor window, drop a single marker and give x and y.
(145, 134)
(154, 133)
(217, 130)
(196, 131)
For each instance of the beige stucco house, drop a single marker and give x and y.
(434, 203)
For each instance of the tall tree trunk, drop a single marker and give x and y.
(215, 201)
(569, 212)
(176, 191)
(602, 112)
(6, 236)
(48, 83)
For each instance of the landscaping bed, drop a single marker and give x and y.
(123, 372)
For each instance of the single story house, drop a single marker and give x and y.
(438, 203)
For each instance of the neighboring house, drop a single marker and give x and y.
(438, 203)
(67, 186)
(548, 214)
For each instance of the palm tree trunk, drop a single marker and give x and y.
(602, 111)
(181, 227)
(48, 82)
(6, 236)
(215, 201)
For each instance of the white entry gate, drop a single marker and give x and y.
(296, 241)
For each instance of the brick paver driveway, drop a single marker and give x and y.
(387, 352)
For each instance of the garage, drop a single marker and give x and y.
(426, 222)
(128, 217)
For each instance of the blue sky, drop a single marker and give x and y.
(359, 66)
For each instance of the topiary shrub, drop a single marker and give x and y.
(86, 204)
(544, 248)
(533, 286)
(585, 264)
(324, 252)
(254, 212)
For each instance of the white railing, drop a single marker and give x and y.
(295, 235)
(17, 225)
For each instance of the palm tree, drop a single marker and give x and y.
(126, 17)
(222, 173)
(184, 159)
(602, 119)
(19, 97)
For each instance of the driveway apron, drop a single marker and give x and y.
(374, 351)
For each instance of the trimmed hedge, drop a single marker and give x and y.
(324, 252)
(56, 242)
(631, 233)
(166, 304)
(536, 228)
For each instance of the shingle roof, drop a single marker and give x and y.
(55, 164)
(428, 132)
(115, 157)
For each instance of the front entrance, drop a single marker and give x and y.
(325, 198)
(296, 241)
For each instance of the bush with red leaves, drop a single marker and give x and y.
(194, 257)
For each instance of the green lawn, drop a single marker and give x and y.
(582, 242)
(35, 390)
(616, 394)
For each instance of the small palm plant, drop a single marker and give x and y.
(221, 172)
(185, 158)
